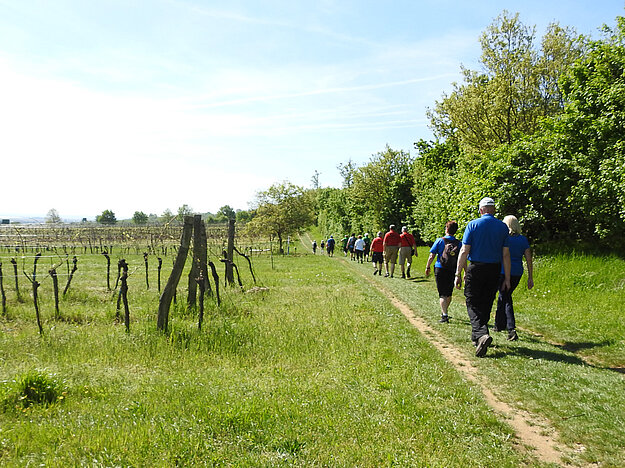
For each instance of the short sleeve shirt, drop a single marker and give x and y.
(518, 245)
(391, 238)
(487, 237)
(437, 248)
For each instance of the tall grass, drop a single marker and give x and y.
(567, 365)
(317, 370)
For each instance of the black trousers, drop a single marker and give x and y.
(504, 315)
(480, 287)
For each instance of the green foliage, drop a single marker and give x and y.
(107, 217)
(517, 87)
(282, 210)
(34, 388)
(140, 217)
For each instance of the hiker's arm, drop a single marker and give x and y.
(506, 268)
(427, 267)
(462, 264)
(530, 268)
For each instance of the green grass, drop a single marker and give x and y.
(565, 367)
(318, 370)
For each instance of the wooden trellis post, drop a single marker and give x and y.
(4, 297)
(172, 283)
(193, 273)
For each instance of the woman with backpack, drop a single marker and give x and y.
(446, 249)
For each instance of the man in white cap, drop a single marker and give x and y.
(485, 245)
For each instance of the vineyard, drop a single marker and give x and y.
(78, 273)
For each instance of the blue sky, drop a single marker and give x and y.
(148, 105)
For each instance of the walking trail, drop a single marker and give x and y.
(531, 430)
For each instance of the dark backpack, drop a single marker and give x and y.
(449, 257)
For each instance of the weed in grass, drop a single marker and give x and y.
(35, 388)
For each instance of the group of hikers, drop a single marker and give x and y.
(490, 254)
(387, 249)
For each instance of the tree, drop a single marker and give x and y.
(226, 212)
(282, 210)
(515, 90)
(140, 217)
(184, 210)
(107, 217)
(167, 216)
(53, 217)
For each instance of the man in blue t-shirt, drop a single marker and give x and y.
(485, 245)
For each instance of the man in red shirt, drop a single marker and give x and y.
(392, 241)
(377, 253)
(408, 245)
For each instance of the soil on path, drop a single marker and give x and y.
(532, 431)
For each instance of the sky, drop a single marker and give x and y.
(147, 105)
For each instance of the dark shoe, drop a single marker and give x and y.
(391, 276)
(375, 272)
(483, 342)
(386, 275)
(444, 319)
(403, 276)
(512, 336)
(408, 272)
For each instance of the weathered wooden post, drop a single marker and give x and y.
(172, 283)
(193, 273)
(216, 279)
(229, 252)
(123, 291)
(202, 285)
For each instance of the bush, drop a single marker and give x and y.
(34, 388)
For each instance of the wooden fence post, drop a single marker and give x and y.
(193, 273)
(172, 283)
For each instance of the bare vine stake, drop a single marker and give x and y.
(119, 271)
(36, 285)
(248, 261)
(124, 294)
(71, 274)
(4, 297)
(122, 267)
(216, 279)
(55, 286)
(160, 265)
(108, 270)
(145, 260)
(17, 287)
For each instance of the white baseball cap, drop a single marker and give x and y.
(487, 201)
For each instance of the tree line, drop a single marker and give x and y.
(540, 128)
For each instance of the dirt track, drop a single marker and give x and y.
(532, 432)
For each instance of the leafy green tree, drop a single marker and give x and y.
(107, 217)
(167, 216)
(140, 217)
(282, 210)
(515, 90)
(226, 212)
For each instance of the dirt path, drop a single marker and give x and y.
(531, 430)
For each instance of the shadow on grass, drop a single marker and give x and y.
(554, 356)
(575, 347)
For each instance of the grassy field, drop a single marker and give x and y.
(318, 369)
